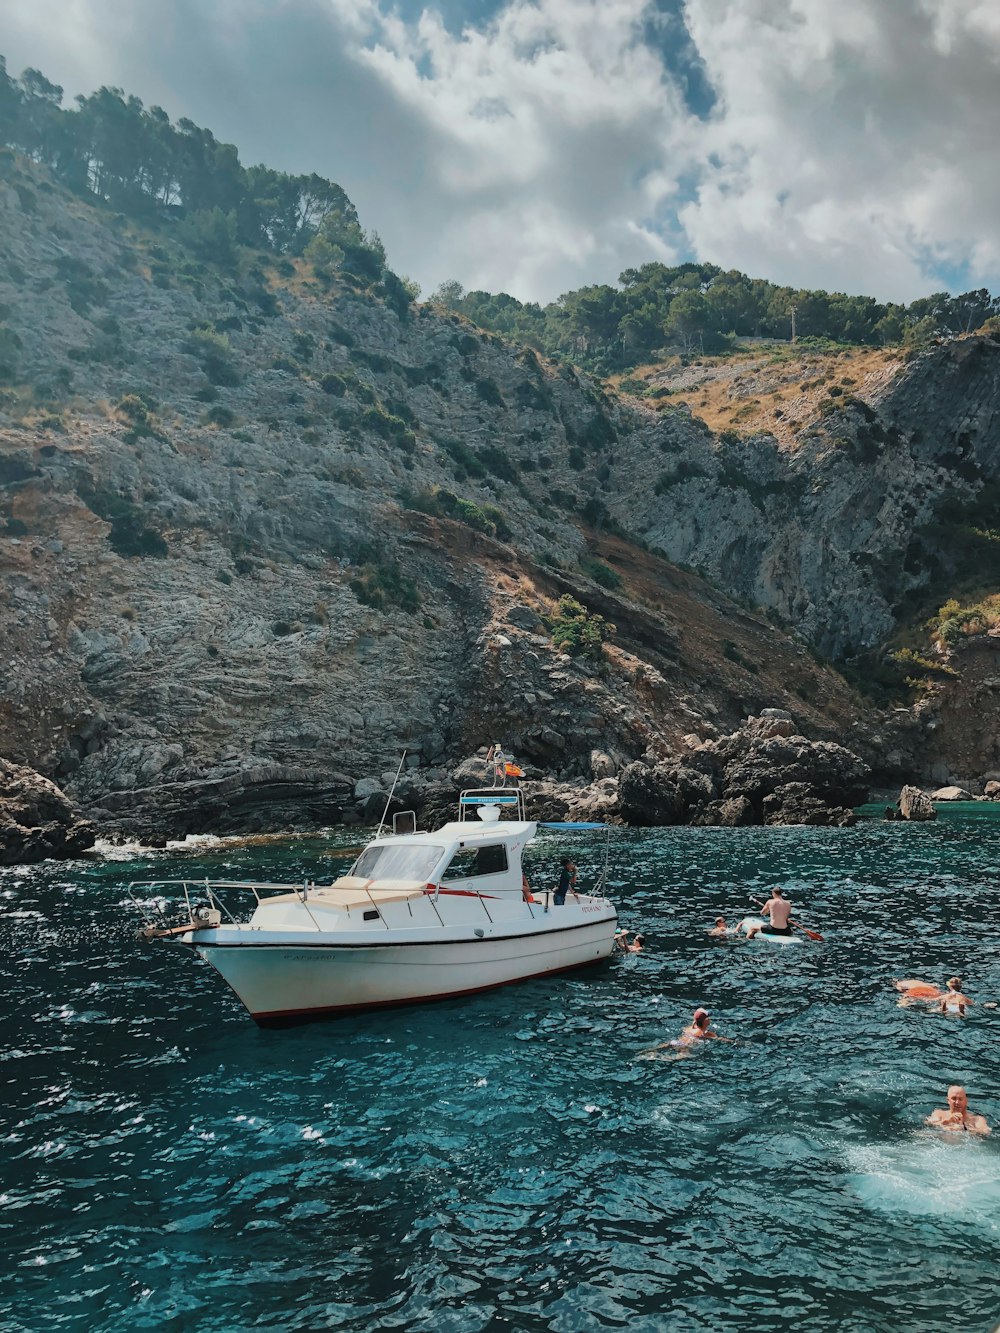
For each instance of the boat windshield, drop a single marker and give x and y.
(399, 862)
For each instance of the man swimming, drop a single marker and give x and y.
(720, 930)
(958, 1117)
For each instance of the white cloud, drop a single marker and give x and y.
(851, 145)
(854, 141)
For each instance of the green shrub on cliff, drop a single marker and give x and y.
(136, 410)
(600, 572)
(380, 583)
(955, 622)
(438, 500)
(129, 535)
(215, 354)
(578, 631)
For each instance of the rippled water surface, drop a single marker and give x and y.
(505, 1162)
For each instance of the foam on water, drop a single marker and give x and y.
(930, 1174)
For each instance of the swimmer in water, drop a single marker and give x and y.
(699, 1029)
(637, 945)
(720, 930)
(953, 1001)
(948, 1001)
(958, 1117)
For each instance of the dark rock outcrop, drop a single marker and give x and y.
(760, 774)
(255, 799)
(37, 822)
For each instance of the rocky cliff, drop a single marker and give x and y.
(259, 530)
(856, 485)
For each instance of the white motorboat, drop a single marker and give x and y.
(419, 916)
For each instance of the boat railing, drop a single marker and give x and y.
(208, 890)
(504, 799)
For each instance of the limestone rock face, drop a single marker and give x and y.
(37, 822)
(915, 804)
(736, 812)
(750, 777)
(831, 773)
(228, 620)
(951, 794)
(788, 523)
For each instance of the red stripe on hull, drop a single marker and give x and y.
(281, 1017)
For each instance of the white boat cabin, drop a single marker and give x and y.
(476, 858)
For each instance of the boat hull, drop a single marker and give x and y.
(280, 983)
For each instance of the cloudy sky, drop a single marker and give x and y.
(533, 146)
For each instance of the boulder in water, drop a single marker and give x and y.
(951, 794)
(915, 804)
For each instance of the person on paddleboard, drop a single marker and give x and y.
(958, 1116)
(778, 909)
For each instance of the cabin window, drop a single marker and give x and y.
(471, 862)
(413, 862)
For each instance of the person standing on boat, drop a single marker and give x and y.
(497, 761)
(778, 909)
(958, 1116)
(567, 881)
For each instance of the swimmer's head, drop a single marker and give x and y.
(701, 1017)
(954, 983)
(957, 1097)
(640, 939)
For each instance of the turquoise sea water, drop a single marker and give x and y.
(505, 1162)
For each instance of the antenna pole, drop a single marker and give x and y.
(381, 822)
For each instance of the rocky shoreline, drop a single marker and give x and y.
(761, 774)
(764, 773)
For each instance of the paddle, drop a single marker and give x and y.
(809, 934)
